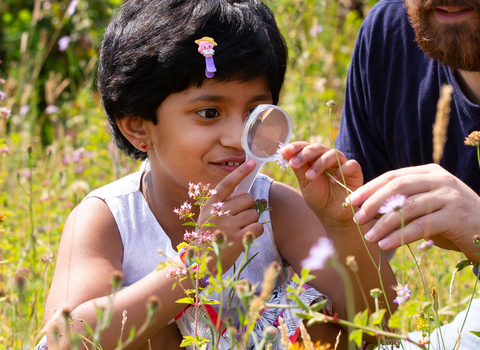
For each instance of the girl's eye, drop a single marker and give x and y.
(208, 113)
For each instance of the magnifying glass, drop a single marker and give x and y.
(263, 130)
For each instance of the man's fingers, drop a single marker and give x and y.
(408, 185)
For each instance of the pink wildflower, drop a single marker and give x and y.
(72, 7)
(52, 109)
(63, 42)
(185, 211)
(394, 203)
(3, 96)
(190, 236)
(5, 112)
(403, 294)
(5, 150)
(176, 273)
(200, 192)
(319, 254)
(217, 210)
(279, 158)
(205, 238)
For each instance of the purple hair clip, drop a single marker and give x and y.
(205, 47)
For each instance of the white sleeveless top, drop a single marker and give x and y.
(142, 236)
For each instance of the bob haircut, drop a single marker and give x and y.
(149, 52)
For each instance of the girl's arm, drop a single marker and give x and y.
(326, 217)
(89, 254)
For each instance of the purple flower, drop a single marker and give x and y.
(52, 109)
(279, 158)
(394, 203)
(71, 8)
(63, 42)
(403, 294)
(3, 96)
(319, 254)
(24, 110)
(425, 245)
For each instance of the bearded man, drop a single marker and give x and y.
(404, 53)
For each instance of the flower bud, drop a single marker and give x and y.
(331, 104)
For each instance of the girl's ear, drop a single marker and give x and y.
(133, 129)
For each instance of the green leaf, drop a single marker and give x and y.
(356, 336)
(376, 317)
(395, 321)
(186, 300)
(462, 264)
(209, 224)
(361, 318)
(319, 306)
(210, 302)
(190, 223)
(475, 333)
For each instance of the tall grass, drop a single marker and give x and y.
(50, 161)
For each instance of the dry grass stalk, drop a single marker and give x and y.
(283, 331)
(337, 341)
(441, 122)
(307, 341)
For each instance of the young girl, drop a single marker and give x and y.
(183, 114)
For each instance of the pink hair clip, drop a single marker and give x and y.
(205, 47)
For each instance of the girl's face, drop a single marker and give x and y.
(198, 135)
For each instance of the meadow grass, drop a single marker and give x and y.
(49, 162)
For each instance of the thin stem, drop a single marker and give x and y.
(349, 298)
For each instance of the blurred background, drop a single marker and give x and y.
(55, 145)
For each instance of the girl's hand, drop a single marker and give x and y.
(322, 194)
(242, 216)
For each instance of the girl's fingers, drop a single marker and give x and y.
(228, 184)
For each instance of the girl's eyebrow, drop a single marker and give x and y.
(221, 98)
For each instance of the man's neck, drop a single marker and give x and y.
(470, 84)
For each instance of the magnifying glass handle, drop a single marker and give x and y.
(247, 182)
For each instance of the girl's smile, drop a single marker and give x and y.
(198, 135)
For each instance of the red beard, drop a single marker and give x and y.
(455, 44)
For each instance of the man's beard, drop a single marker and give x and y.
(454, 44)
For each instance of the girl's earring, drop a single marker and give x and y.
(143, 146)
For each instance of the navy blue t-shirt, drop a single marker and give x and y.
(391, 100)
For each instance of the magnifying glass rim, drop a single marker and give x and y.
(252, 117)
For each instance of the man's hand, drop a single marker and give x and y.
(439, 206)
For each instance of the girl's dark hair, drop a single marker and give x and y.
(149, 52)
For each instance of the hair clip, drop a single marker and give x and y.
(205, 47)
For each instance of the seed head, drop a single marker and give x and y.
(219, 237)
(473, 139)
(117, 278)
(331, 104)
(375, 293)
(248, 238)
(441, 122)
(352, 263)
(476, 239)
(270, 334)
(153, 303)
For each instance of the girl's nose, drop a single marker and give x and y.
(232, 132)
